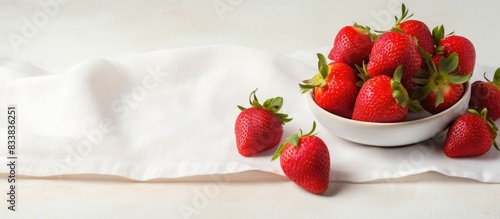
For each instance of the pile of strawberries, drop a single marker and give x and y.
(379, 77)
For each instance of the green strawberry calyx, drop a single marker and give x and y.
(293, 140)
(366, 30)
(362, 74)
(398, 20)
(404, 16)
(483, 114)
(425, 55)
(438, 34)
(496, 78)
(439, 78)
(272, 104)
(400, 94)
(319, 80)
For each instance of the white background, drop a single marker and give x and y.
(68, 33)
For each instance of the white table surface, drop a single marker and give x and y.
(72, 31)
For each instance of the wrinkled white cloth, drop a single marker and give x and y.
(171, 114)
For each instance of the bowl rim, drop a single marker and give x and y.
(403, 123)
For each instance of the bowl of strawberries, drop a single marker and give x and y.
(394, 87)
(418, 126)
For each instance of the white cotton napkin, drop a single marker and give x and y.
(171, 114)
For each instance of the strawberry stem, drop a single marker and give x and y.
(400, 94)
(398, 20)
(319, 80)
(496, 78)
(362, 73)
(366, 30)
(272, 104)
(293, 140)
(438, 34)
(404, 15)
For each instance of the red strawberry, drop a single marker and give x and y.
(335, 88)
(456, 44)
(417, 29)
(305, 160)
(487, 95)
(441, 87)
(352, 45)
(383, 100)
(471, 134)
(391, 50)
(260, 127)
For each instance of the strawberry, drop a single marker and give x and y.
(335, 88)
(471, 134)
(305, 160)
(391, 50)
(447, 45)
(259, 127)
(352, 45)
(421, 32)
(383, 100)
(417, 29)
(441, 87)
(487, 95)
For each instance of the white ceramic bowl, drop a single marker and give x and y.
(418, 126)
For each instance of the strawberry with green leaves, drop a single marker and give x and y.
(382, 99)
(450, 44)
(305, 160)
(486, 94)
(409, 51)
(441, 87)
(417, 29)
(391, 50)
(259, 127)
(334, 87)
(471, 134)
(352, 45)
